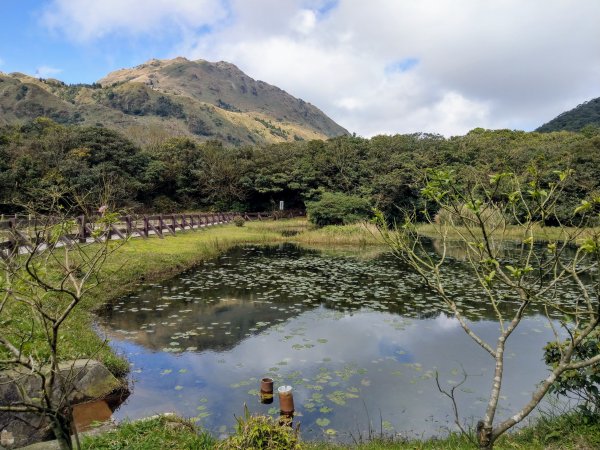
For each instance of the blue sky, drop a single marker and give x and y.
(28, 45)
(381, 66)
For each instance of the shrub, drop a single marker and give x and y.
(582, 384)
(164, 204)
(490, 214)
(336, 208)
(261, 432)
(239, 221)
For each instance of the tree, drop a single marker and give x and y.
(335, 208)
(483, 215)
(46, 274)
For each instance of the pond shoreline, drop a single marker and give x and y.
(159, 260)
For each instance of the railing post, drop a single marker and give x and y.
(129, 227)
(161, 224)
(81, 229)
(13, 242)
(146, 227)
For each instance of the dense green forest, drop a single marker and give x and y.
(42, 161)
(576, 119)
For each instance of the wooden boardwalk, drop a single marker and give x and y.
(21, 231)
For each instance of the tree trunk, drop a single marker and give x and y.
(62, 433)
(484, 436)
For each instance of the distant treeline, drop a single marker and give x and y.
(42, 163)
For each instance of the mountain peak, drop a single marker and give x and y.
(172, 97)
(224, 85)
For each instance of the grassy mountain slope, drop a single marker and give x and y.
(587, 113)
(160, 99)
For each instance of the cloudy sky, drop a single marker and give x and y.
(377, 66)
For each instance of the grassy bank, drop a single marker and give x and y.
(511, 232)
(153, 260)
(548, 433)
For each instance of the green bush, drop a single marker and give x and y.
(239, 221)
(164, 204)
(261, 432)
(583, 384)
(336, 208)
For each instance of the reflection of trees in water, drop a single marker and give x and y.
(469, 292)
(214, 325)
(180, 315)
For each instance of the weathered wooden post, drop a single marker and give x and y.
(129, 226)
(81, 230)
(109, 231)
(13, 242)
(161, 223)
(146, 227)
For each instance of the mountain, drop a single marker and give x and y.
(588, 113)
(176, 97)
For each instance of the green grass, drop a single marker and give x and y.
(512, 232)
(547, 433)
(160, 433)
(153, 260)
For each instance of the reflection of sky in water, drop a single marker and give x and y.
(345, 364)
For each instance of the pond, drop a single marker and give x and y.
(359, 340)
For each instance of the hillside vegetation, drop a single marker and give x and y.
(89, 164)
(584, 115)
(165, 98)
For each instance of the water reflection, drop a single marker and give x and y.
(353, 337)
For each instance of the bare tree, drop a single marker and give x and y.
(484, 216)
(46, 274)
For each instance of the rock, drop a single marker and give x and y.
(6, 438)
(91, 381)
(85, 380)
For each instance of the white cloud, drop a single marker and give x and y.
(85, 20)
(46, 71)
(381, 66)
(304, 22)
(461, 64)
(1, 62)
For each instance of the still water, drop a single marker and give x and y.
(359, 340)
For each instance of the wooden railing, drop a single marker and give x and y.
(19, 231)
